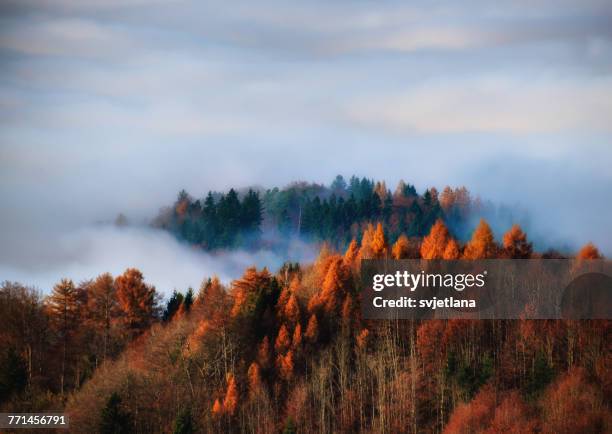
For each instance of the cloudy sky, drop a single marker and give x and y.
(109, 106)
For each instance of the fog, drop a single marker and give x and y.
(109, 107)
(164, 261)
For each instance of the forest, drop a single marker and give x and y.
(334, 214)
(287, 350)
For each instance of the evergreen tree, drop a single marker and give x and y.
(114, 420)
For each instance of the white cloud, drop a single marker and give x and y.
(491, 106)
(165, 262)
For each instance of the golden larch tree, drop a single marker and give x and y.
(434, 244)
(401, 248)
(282, 340)
(451, 251)
(379, 242)
(137, 300)
(63, 307)
(312, 329)
(589, 251)
(230, 402)
(482, 245)
(516, 245)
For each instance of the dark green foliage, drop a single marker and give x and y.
(539, 376)
(173, 305)
(114, 420)
(188, 300)
(13, 374)
(469, 376)
(290, 427)
(314, 212)
(184, 423)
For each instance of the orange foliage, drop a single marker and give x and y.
(297, 337)
(254, 375)
(365, 252)
(474, 416)
(379, 243)
(312, 330)
(451, 251)
(512, 416)
(401, 248)
(516, 245)
(573, 405)
(482, 245)
(230, 402)
(351, 254)
(292, 310)
(435, 243)
(136, 299)
(217, 409)
(285, 365)
(589, 251)
(282, 340)
(251, 282)
(363, 338)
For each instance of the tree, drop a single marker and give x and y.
(352, 253)
(451, 251)
(282, 340)
(103, 308)
(63, 307)
(401, 248)
(516, 245)
(292, 310)
(184, 422)
(434, 244)
(230, 402)
(574, 405)
(173, 305)
(13, 374)
(589, 251)
(114, 420)
(137, 300)
(482, 245)
(312, 330)
(379, 243)
(254, 374)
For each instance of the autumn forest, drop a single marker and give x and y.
(286, 350)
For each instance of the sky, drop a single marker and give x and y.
(113, 106)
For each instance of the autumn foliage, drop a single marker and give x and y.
(288, 350)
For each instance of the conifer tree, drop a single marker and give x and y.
(434, 244)
(516, 245)
(401, 248)
(482, 245)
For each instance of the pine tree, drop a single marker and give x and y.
(184, 422)
(114, 420)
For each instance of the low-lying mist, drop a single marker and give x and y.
(165, 262)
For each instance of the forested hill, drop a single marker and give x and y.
(336, 213)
